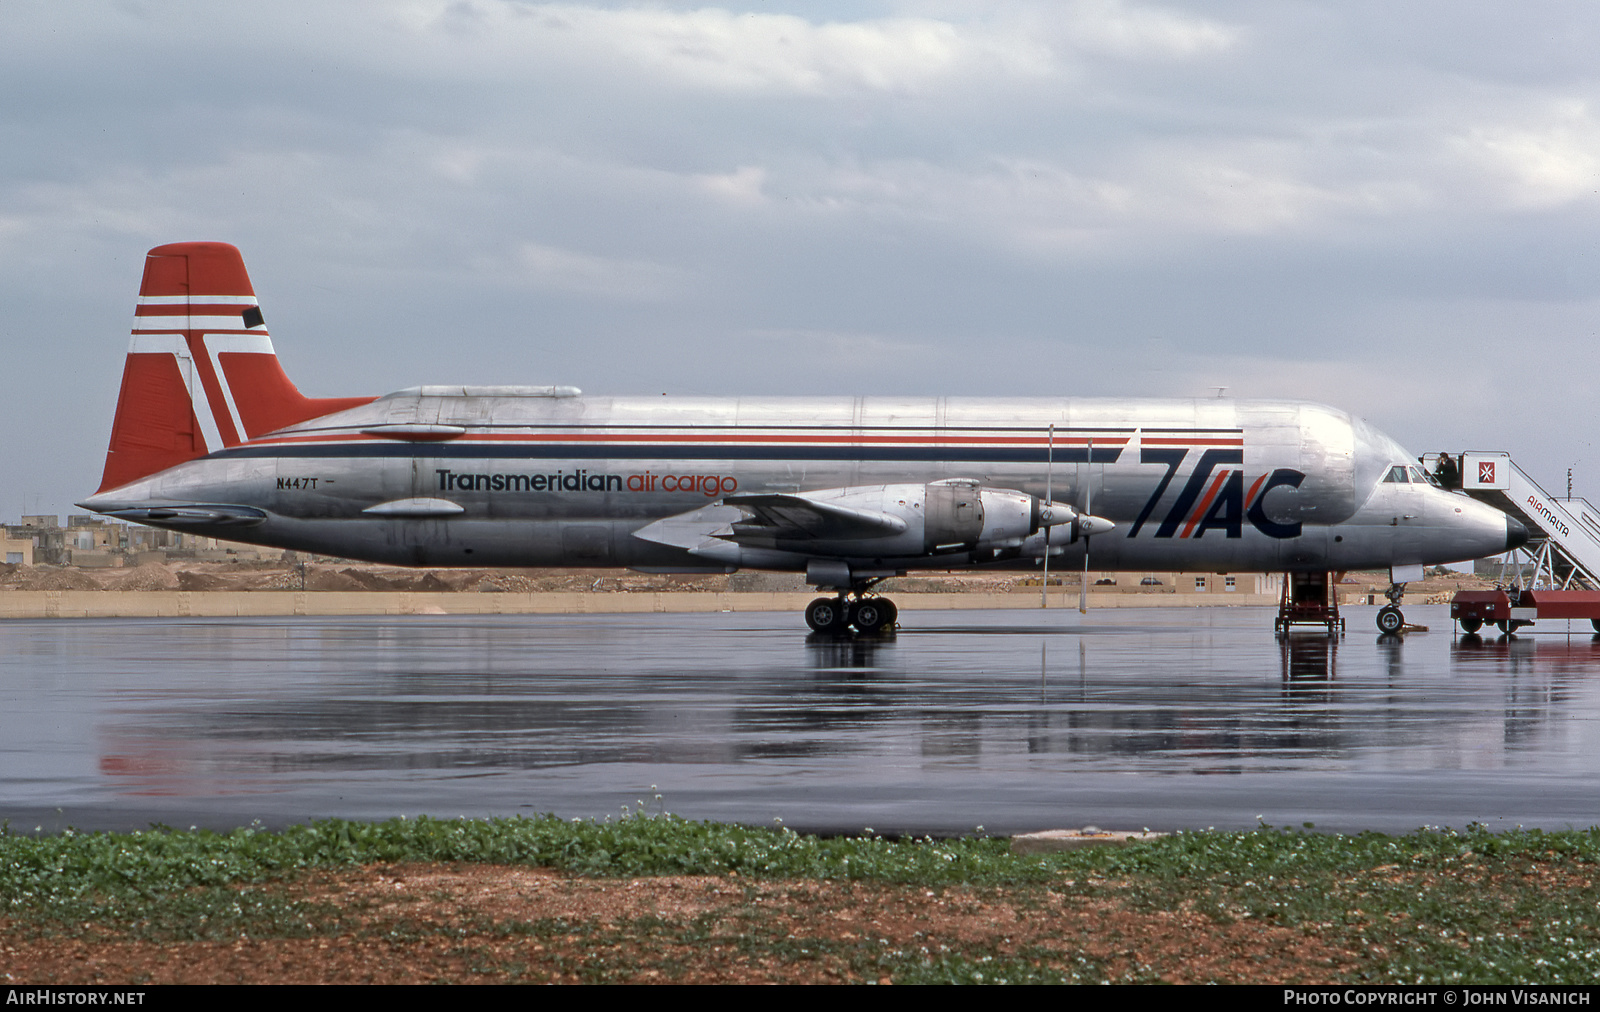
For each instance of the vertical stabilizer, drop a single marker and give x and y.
(201, 372)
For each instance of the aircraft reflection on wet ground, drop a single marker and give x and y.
(1013, 720)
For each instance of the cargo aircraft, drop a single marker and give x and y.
(211, 437)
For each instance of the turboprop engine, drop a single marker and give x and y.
(957, 514)
(907, 521)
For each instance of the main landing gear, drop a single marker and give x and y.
(1390, 618)
(834, 616)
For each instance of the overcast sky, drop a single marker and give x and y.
(1391, 208)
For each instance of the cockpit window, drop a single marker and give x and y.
(1397, 473)
(1418, 476)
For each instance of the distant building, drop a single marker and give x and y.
(1188, 583)
(94, 542)
(15, 551)
(1501, 569)
(46, 542)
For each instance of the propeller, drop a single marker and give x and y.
(1088, 511)
(1051, 514)
(1049, 461)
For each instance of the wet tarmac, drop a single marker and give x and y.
(1128, 718)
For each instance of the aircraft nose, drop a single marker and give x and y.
(1516, 534)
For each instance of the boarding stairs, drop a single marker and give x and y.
(1563, 548)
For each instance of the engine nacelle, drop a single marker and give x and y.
(960, 513)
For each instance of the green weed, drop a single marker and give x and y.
(1431, 906)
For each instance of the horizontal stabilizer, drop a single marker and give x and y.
(199, 516)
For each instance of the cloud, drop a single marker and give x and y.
(1007, 197)
(712, 49)
(837, 346)
(584, 274)
(1134, 31)
(743, 185)
(1546, 157)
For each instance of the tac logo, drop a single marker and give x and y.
(1486, 472)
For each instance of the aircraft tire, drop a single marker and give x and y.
(1596, 623)
(869, 615)
(893, 614)
(826, 615)
(1390, 620)
(1471, 623)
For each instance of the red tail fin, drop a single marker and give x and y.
(201, 372)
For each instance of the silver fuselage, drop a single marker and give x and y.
(1198, 485)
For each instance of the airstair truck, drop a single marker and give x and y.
(1556, 575)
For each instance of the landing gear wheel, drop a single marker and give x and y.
(1472, 623)
(892, 614)
(1596, 623)
(826, 615)
(1389, 619)
(869, 615)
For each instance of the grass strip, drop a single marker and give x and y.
(1434, 906)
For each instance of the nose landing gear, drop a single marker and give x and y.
(1390, 618)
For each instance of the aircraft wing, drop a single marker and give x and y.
(798, 517)
(775, 516)
(693, 531)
